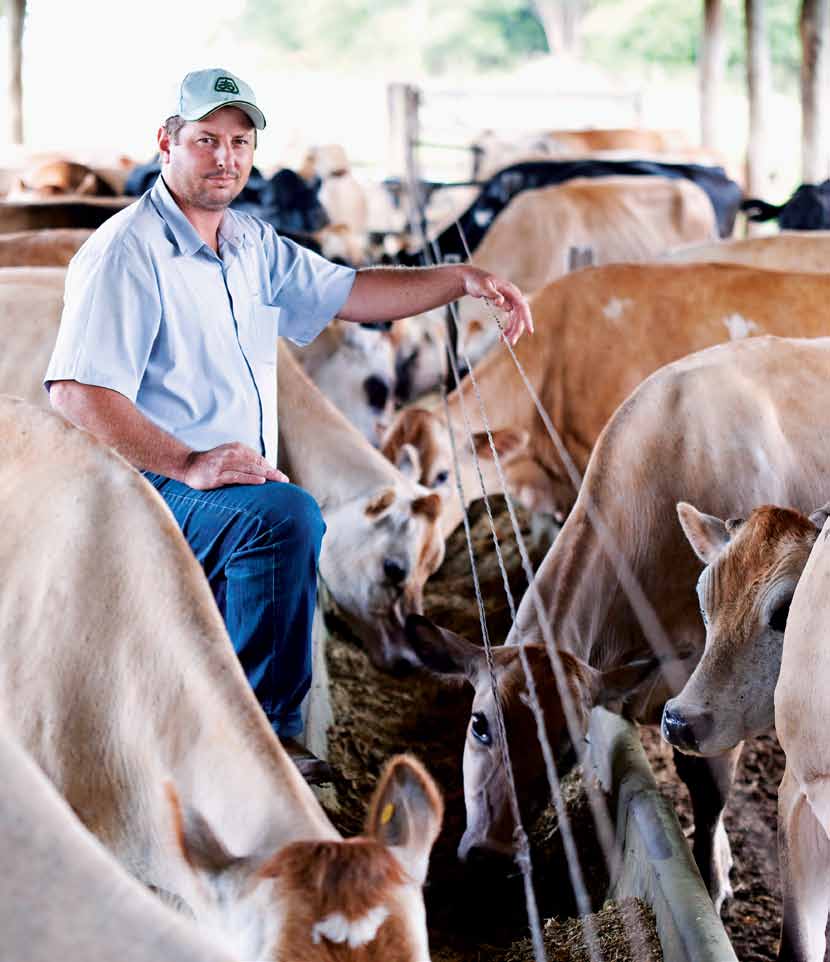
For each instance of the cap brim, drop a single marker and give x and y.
(256, 115)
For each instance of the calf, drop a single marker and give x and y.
(599, 333)
(729, 427)
(118, 676)
(763, 599)
(745, 592)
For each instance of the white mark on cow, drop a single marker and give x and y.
(337, 928)
(616, 307)
(739, 327)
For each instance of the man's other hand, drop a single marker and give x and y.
(232, 463)
(502, 295)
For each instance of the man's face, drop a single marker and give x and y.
(208, 163)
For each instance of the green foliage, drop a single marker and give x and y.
(667, 32)
(480, 35)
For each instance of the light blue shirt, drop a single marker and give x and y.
(190, 337)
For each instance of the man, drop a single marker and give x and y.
(166, 351)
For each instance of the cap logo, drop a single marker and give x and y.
(225, 85)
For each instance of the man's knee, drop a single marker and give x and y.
(291, 514)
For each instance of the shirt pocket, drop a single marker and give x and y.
(265, 326)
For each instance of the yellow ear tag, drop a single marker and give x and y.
(387, 813)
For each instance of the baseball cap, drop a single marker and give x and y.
(203, 91)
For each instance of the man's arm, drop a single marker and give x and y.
(116, 421)
(388, 293)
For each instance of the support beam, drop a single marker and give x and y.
(758, 88)
(16, 13)
(711, 72)
(813, 27)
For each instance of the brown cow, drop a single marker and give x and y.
(41, 248)
(56, 178)
(599, 332)
(806, 251)
(727, 427)
(621, 219)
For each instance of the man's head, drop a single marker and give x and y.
(207, 144)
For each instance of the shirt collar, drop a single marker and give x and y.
(184, 233)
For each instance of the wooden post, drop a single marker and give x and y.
(758, 82)
(711, 71)
(16, 12)
(404, 132)
(813, 26)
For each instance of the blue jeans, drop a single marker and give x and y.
(259, 546)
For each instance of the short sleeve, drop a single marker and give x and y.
(111, 316)
(308, 289)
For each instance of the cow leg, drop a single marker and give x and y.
(804, 855)
(709, 781)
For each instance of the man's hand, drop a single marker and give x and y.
(502, 295)
(233, 463)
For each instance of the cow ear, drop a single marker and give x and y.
(405, 814)
(442, 651)
(200, 848)
(379, 504)
(707, 534)
(429, 505)
(408, 462)
(620, 682)
(508, 443)
(819, 516)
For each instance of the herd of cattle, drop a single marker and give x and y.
(683, 375)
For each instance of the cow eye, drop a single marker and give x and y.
(481, 728)
(440, 478)
(778, 620)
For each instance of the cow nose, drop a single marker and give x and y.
(677, 731)
(377, 392)
(394, 571)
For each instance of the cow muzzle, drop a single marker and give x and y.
(685, 729)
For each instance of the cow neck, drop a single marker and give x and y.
(324, 453)
(507, 402)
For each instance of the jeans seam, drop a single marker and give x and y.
(223, 507)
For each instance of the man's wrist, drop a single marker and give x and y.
(182, 464)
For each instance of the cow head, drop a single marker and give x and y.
(429, 435)
(378, 553)
(752, 568)
(490, 825)
(358, 900)
(354, 367)
(420, 354)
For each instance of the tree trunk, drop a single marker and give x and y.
(560, 21)
(711, 71)
(814, 23)
(758, 84)
(16, 12)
